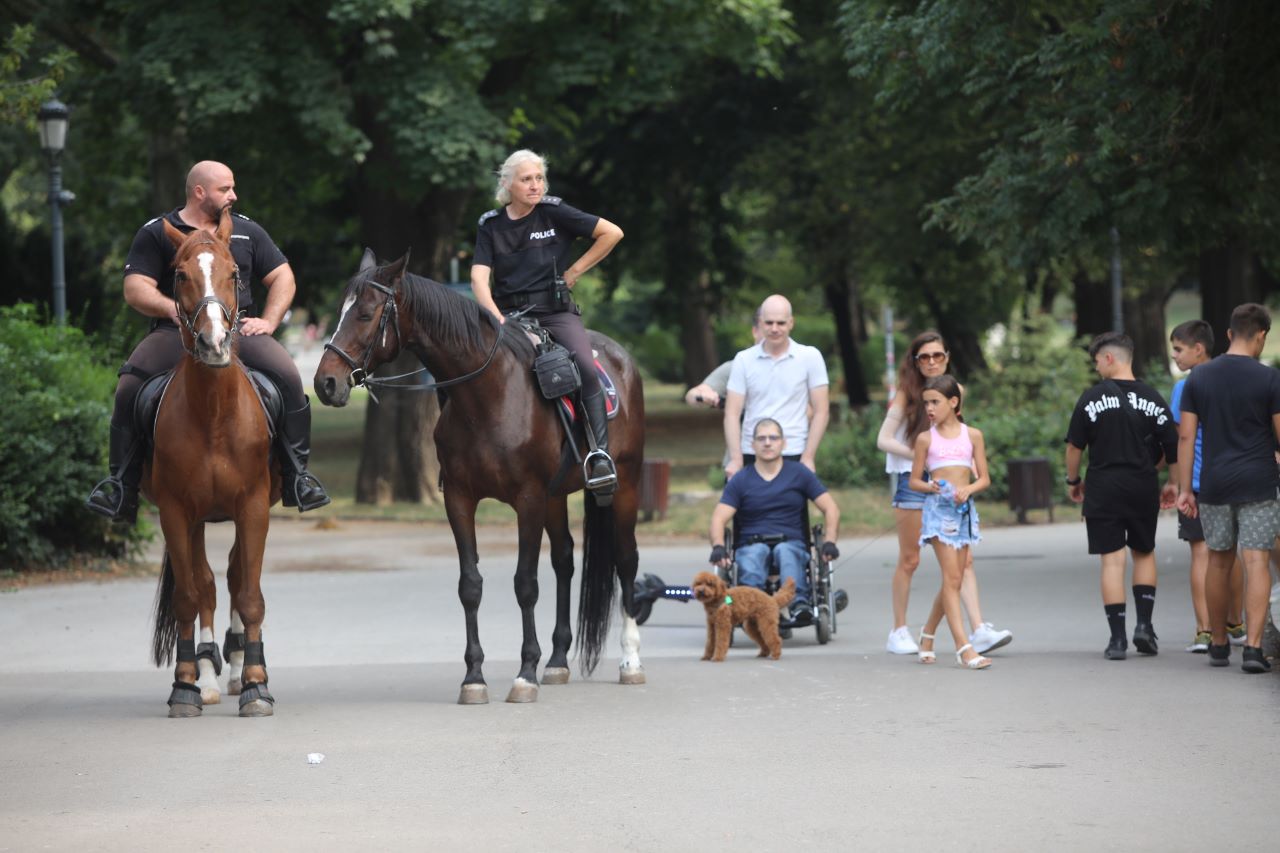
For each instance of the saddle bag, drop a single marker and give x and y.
(557, 372)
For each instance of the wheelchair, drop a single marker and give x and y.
(825, 599)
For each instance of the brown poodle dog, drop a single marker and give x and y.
(754, 610)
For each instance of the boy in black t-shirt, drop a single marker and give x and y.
(1237, 402)
(1127, 428)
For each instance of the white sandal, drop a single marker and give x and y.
(925, 655)
(977, 662)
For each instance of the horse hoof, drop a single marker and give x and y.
(181, 710)
(210, 697)
(473, 694)
(631, 676)
(523, 691)
(555, 675)
(257, 708)
(235, 687)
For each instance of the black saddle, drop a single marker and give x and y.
(147, 404)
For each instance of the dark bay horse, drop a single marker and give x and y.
(210, 463)
(499, 438)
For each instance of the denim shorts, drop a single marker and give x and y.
(904, 497)
(950, 524)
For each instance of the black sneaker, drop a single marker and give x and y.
(801, 615)
(1219, 655)
(1116, 649)
(1144, 639)
(1254, 660)
(842, 600)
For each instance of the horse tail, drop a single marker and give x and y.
(595, 603)
(166, 634)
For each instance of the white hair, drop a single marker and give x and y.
(508, 172)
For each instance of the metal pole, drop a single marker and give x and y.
(1117, 304)
(59, 271)
(890, 375)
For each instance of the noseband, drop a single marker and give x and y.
(360, 372)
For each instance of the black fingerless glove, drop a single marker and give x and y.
(717, 554)
(830, 551)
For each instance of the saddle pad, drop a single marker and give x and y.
(146, 406)
(611, 403)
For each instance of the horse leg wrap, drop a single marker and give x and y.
(185, 694)
(254, 691)
(232, 643)
(186, 651)
(253, 655)
(209, 652)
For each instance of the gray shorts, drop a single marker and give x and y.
(1253, 526)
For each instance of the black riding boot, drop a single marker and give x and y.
(299, 488)
(116, 497)
(602, 476)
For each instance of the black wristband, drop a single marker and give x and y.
(1075, 482)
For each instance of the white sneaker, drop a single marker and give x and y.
(900, 642)
(987, 638)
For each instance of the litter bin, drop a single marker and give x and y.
(1030, 486)
(655, 483)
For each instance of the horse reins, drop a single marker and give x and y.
(359, 375)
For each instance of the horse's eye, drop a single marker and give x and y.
(179, 276)
(365, 318)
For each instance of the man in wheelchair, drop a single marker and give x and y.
(767, 501)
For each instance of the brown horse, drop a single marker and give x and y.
(499, 438)
(211, 463)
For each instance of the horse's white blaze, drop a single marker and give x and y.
(216, 330)
(346, 306)
(630, 645)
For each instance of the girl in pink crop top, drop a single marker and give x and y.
(956, 457)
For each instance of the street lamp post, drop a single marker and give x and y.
(53, 119)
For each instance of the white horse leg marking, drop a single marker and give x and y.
(207, 680)
(235, 675)
(630, 671)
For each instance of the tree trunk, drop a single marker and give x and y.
(697, 340)
(1229, 276)
(1144, 322)
(967, 358)
(1092, 300)
(842, 298)
(397, 459)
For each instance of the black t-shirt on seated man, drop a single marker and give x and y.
(1234, 398)
(1127, 427)
(527, 254)
(255, 253)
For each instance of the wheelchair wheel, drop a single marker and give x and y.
(824, 627)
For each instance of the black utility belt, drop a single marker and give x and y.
(771, 539)
(559, 298)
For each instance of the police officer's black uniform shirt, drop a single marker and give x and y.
(253, 249)
(527, 254)
(1126, 426)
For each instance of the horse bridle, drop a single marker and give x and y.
(359, 375)
(188, 320)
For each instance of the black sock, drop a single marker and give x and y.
(1115, 618)
(1145, 599)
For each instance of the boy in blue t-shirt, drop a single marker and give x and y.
(1192, 344)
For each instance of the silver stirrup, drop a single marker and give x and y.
(603, 482)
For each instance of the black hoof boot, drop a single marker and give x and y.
(256, 701)
(185, 701)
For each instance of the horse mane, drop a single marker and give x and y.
(455, 322)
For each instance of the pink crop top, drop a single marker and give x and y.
(945, 452)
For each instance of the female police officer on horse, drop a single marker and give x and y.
(521, 264)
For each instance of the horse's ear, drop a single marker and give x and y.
(397, 268)
(224, 227)
(175, 236)
(367, 262)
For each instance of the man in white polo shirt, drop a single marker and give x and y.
(779, 379)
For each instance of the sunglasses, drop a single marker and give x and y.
(774, 437)
(931, 356)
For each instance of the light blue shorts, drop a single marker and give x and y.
(905, 497)
(950, 524)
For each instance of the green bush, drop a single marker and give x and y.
(56, 400)
(848, 455)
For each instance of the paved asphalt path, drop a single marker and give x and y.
(842, 747)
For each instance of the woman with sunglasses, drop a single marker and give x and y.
(906, 419)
